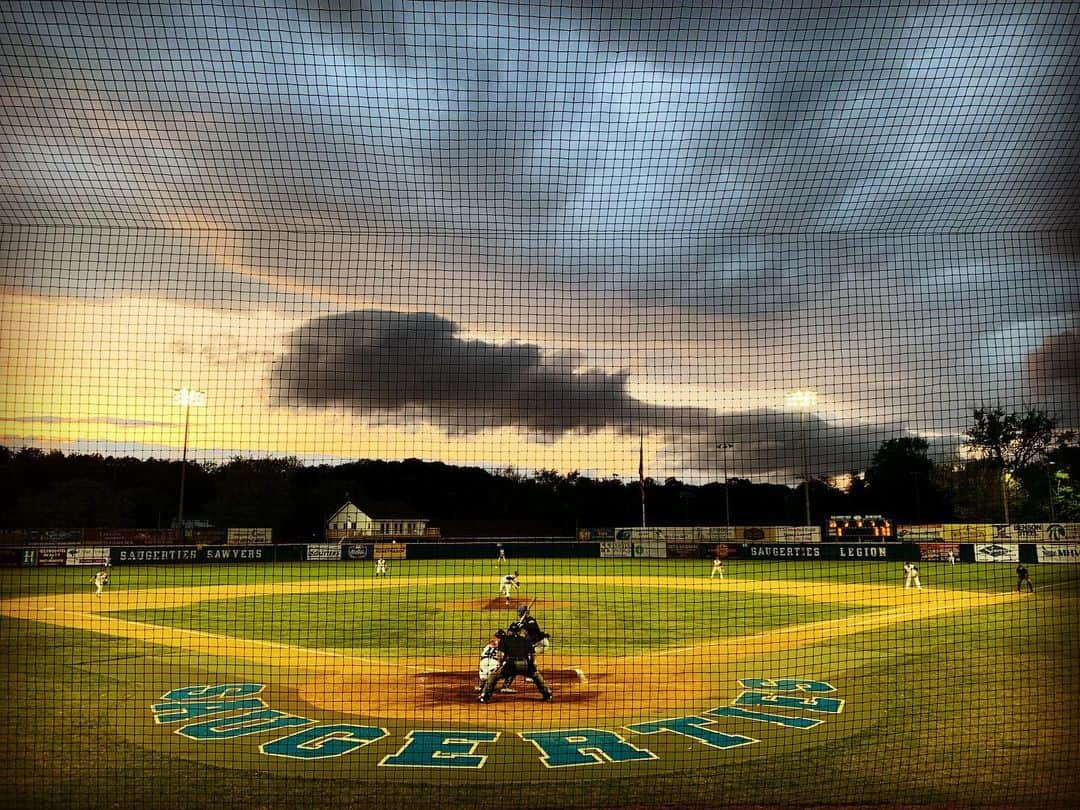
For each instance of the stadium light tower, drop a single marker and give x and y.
(803, 401)
(187, 398)
(724, 447)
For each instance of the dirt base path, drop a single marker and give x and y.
(589, 689)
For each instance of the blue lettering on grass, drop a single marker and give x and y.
(786, 684)
(225, 690)
(225, 728)
(765, 717)
(826, 705)
(175, 712)
(441, 749)
(695, 727)
(583, 746)
(323, 742)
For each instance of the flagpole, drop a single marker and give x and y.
(641, 475)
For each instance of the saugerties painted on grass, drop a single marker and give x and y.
(236, 712)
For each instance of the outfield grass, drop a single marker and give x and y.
(974, 708)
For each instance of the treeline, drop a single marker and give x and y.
(57, 490)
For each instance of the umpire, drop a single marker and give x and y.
(518, 659)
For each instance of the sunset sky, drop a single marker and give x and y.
(528, 233)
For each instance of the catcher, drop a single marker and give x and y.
(517, 654)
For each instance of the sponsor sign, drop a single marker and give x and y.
(756, 534)
(356, 551)
(798, 534)
(997, 552)
(939, 552)
(1036, 532)
(153, 556)
(1058, 552)
(921, 532)
(615, 548)
(247, 536)
(682, 551)
(52, 556)
(862, 551)
(235, 554)
(324, 551)
(15, 556)
(390, 551)
(676, 534)
(783, 552)
(87, 556)
(55, 536)
(966, 533)
(207, 537)
(586, 535)
(130, 537)
(655, 549)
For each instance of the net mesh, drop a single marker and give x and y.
(552, 271)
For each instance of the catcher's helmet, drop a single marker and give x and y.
(515, 627)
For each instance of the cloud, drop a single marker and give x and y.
(417, 366)
(1052, 374)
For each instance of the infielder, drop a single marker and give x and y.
(717, 568)
(911, 574)
(380, 568)
(506, 583)
(1022, 577)
(502, 554)
(100, 580)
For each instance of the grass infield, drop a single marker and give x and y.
(963, 694)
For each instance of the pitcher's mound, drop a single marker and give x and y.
(498, 603)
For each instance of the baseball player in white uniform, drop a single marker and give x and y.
(490, 658)
(380, 568)
(717, 568)
(911, 576)
(506, 583)
(100, 580)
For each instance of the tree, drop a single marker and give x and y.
(1011, 441)
(900, 480)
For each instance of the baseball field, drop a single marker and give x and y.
(323, 685)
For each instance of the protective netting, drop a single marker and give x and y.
(495, 271)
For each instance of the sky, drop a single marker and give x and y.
(533, 235)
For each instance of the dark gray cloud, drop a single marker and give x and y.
(417, 367)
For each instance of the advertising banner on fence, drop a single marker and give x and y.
(207, 537)
(966, 533)
(798, 534)
(154, 556)
(87, 556)
(1036, 532)
(390, 551)
(356, 551)
(17, 556)
(1058, 552)
(920, 532)
(939, 552)
(323, 551)
(65, 537)
(52, 556)
(656, 549)
(236, 553)
(615, 548)
(682, 551)
(247, 536)
(770, 551)
(997, 552)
